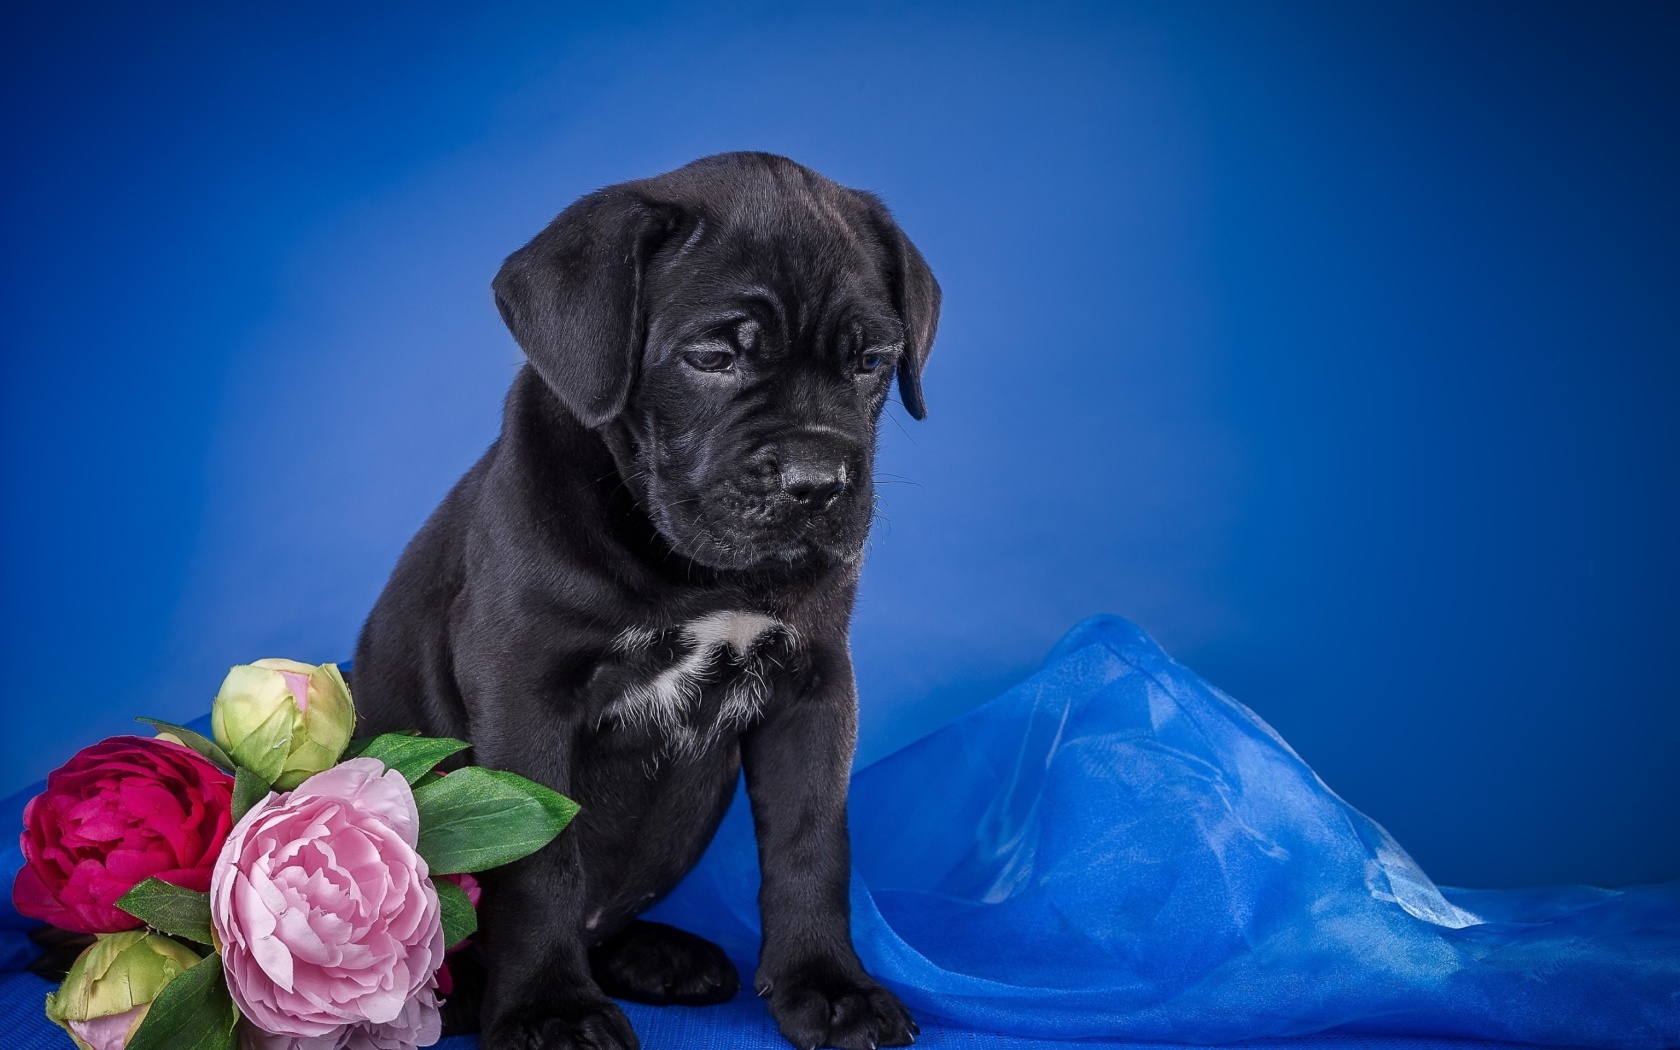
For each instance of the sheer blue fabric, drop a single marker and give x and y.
(1115, 849)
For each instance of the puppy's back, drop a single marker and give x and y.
(403, 676)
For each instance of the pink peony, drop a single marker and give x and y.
(420, 1024)
(117, 813)
(329, 925)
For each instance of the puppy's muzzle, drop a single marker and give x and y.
(812, 471)
(814, 485)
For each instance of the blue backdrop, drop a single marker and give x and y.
(1334, 344)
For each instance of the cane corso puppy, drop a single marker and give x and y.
(644, 587)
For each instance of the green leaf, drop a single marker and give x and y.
(412, 756)
(197, 741)
(475, 819)
(194, 1012)
(249, 788)
(165, 906)
(359, 744)
(460, 920)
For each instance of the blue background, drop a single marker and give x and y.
(1334, 344)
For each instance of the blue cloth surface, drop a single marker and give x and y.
(1114, 851)
(739, 1025)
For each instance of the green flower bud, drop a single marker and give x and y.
(111, 986)
(283, 720)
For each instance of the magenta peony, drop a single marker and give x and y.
(469, 886)
(117, 813)
(328, 923)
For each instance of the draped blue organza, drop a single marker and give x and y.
(1114, 849)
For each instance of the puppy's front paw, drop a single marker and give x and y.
(595, 1024)
(824, 1005)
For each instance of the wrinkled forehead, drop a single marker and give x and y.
(806, 257)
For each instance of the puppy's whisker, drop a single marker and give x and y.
(894, 417)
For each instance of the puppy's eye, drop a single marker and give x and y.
(870, 361)
(710, 358)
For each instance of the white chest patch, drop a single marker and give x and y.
(720, 647)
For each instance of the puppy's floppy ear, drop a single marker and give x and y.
(915, 296)
(572, 298)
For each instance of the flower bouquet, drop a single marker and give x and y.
(279, 887)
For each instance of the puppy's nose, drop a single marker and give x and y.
(813, 485)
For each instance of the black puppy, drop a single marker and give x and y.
(645, 586)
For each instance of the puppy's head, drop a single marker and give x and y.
(732, 328)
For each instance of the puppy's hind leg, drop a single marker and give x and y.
(649, 962)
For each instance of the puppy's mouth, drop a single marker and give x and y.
(731, 526)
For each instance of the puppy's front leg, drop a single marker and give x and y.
(538, 991)
(539, 994)
(797, 762)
